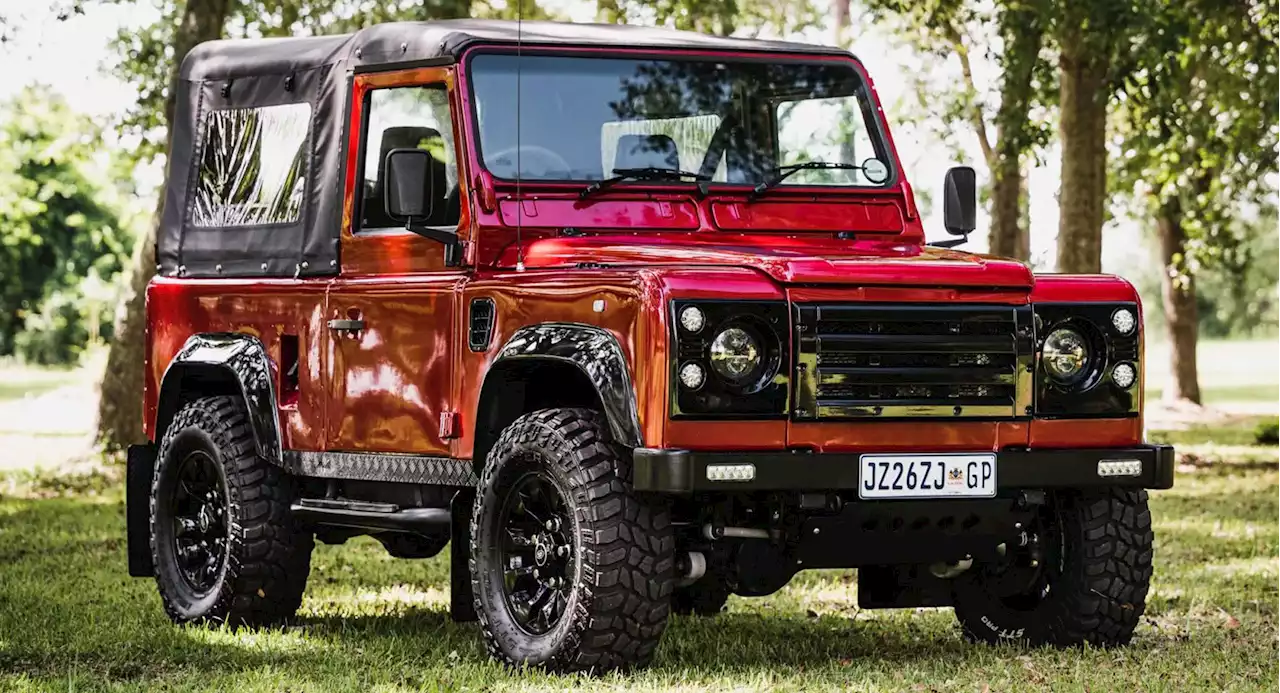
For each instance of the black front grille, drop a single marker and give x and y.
(892, 361)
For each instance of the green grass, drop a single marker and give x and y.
(70, 618)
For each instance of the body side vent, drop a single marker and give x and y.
(480, 323)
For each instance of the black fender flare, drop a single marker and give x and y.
(595, 352)
(226, 357)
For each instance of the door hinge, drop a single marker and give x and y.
(448, 424)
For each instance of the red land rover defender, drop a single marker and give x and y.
(634, 318)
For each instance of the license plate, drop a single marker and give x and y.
(924, 475)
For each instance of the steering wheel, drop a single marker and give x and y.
(550, 161)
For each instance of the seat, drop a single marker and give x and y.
(406, 137)
(645, 151)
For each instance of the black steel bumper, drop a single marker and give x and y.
(684, 471)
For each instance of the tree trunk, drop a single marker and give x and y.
(1023, 34)
(1024, 218)
(1178, 293)
(120, 405)
(1083, 133)
(1006, 189)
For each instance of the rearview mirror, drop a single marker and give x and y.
(409, 184)
(960, 201)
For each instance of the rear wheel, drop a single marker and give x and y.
(571, 569)
(1081, 576)
(223, 540)
(706, 597)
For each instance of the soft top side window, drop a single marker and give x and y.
(253, 167)
(414, 117)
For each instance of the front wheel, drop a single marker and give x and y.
(1080, 576)
(571, 569)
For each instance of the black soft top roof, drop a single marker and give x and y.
(445, 41)
(233, 83)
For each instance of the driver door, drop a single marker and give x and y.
(391, 312)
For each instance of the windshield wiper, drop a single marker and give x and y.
(645, 173)
(785, 172)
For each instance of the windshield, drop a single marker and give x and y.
(737, 122)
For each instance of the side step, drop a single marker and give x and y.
(371, 516)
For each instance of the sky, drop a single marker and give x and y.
(70, 57)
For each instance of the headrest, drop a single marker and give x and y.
(400, 137)
(405, 137)
(642, 151)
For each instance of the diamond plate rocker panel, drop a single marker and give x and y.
(405, 469)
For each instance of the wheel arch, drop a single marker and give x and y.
(224, 363)
(557, 365)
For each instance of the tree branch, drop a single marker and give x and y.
(976, 117)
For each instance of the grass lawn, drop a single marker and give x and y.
(70, 618)
(20, 381)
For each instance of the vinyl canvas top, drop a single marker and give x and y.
(445, 41)
(259, 129)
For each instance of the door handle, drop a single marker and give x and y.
(346, 325)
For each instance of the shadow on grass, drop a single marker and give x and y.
(67, 606)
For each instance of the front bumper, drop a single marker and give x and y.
(685, 471)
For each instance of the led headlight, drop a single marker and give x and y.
(735, 355)
(1124, 375)
(1065, 355)
(1124, 321)
(692, 319)
(692, 376)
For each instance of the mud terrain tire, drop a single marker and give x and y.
(1098, 573)
(616, 574)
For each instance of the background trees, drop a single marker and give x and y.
(1161, 111)
(1197, 123)
(60, 221)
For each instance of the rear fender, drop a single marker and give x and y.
(224, 363)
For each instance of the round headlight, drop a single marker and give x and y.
(692, 318)
(1124, 321)
(1124, 375)
(735, 355)
(1065, 355)
(692, 376)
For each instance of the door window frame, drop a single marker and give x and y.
(395, 250)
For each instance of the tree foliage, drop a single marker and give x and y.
(723, 17)
(1011, 35)
(1198, 131)
(58, 216)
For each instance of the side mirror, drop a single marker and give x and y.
(960, 201)
(410, 194)
(409, 184)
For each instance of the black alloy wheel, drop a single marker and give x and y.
(537, 552)
(224, 543)
(200, 527)
(571, 569)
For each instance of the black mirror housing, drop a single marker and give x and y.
(960, 201)
(409, 184)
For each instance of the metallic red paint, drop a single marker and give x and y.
(634, 248)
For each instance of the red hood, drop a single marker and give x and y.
(788, 260)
